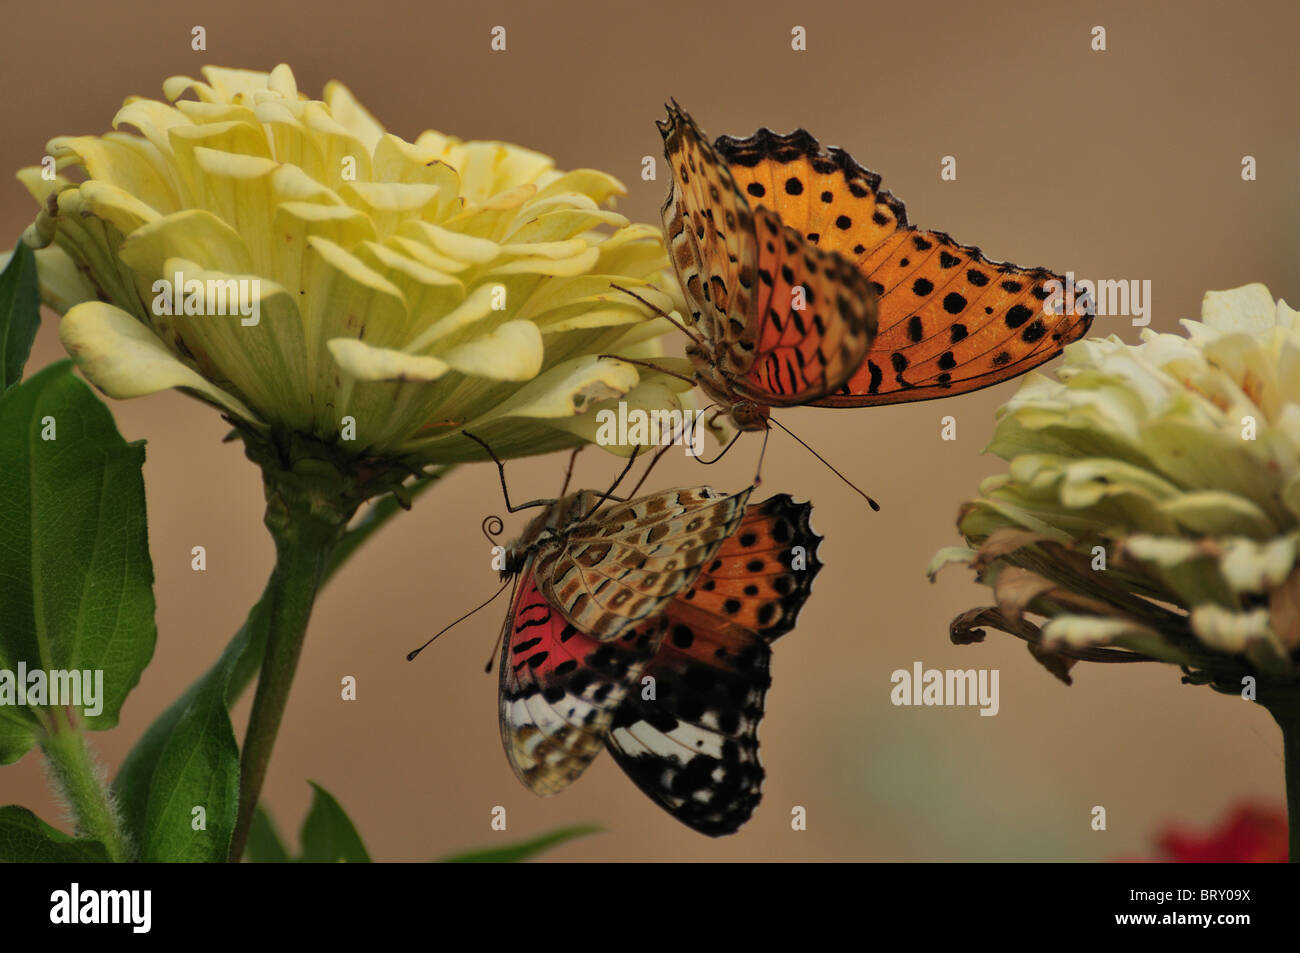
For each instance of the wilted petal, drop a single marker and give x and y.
(1174, 466)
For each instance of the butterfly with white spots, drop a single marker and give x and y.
(646, 628)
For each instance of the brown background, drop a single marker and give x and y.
(1123, 164)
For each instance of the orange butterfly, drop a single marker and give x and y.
(807, 285)
(684, 590)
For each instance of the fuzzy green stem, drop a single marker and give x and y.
(305, 538)
(83, 785)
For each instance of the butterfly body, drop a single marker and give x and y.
(573, 680)
(554, 521)
(806, 284)
(780, 321)
(744, 413)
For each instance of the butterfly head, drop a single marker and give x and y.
(749, 415)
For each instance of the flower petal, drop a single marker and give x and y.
(365, 362)
(512, 352)
(1249, 309)
(125, 359)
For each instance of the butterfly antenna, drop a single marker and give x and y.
(758, 472)
(870, 502)
(410, 656)
(692, 334)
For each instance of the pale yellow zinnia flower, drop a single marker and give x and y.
(1152, 499)
(377, 295)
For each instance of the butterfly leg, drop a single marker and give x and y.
(652, 366)
(657, 457)
(501, 472)
(712, 422)
(608, 494)
(568, 473)
(693, 335)
(501, 636)
(439, 425)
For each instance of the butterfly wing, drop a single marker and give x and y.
(620, 568)
(817, 319)
(693, 746)
(786, 322)
(949, 320)
(711, 242)
(559, 688)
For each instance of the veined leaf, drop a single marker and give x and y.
(76, 581)
(328, 835)
(265, 845)
(25, 838)
(20, 314)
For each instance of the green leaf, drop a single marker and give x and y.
(522, 850)
(189, 757)
(198, 766)
(232, 672)
(264, 843)
(160, 750)
(25, 838)
(160, 765)
(76, 582)
(195, 760)
(20, 315)
(327, 835)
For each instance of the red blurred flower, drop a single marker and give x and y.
(1252, 834)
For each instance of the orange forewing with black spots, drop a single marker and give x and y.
(949, 320)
